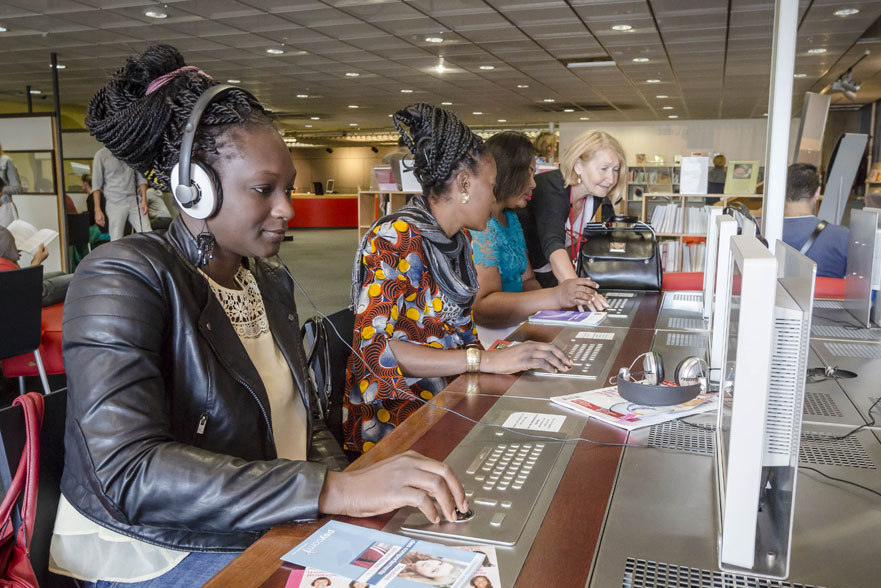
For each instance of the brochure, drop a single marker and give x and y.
(606, 405)
(28, 238)
(382, 559)
(567, 318)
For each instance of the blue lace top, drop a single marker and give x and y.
(503, 248)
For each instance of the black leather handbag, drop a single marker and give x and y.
(621, 254)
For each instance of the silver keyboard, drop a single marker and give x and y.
(503, 476)
(588, 350)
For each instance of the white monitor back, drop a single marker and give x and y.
(409, 183)
(726, 228)
(710, 253)
(861, 259)
(740, 430)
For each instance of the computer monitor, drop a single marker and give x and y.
(710, 252)
(759, 420)
(863, 271)
(725, 228)
(328, 188)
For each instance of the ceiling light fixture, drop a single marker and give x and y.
(661, 96)
(352, 74)
(314, 118)
(666, 108)
(622, 27)
(439, 68)
(653, 81)
(308, 126)
(568, 110)
(353, 124)
(503, 120)
(446, 103)
(549, 100)
(434, 39)
(522, 85)
(584, 118)
(353, 106)
(846, 12)
(487, 67)
(600, 62)
(3, 29)
(156, 14)
(817, 51)
(800, 75)
(233, 81)
(36, 92)
(477, 112)
(406, 91)
(640, 59)
(672, 116)
(274, 51)
(59, 66)
(302, 95)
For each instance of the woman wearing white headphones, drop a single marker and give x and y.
(189, 429)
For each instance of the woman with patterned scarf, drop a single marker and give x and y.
(414, 283)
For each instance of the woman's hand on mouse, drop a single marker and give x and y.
(408, 479)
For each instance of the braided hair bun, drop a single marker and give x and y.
(440, 142)
(144, 131)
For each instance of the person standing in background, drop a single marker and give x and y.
(716, 178)
(11, 185)
(160, 218)
(546, 144)
(125, 193)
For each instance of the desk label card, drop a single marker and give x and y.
(535, 421)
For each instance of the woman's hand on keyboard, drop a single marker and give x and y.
(580, 292)
(408, 479)
(529, 355)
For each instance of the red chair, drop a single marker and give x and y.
(829, 288)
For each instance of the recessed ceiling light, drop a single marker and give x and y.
(36, 92)
(308, 126)
(817, 51)
(3, 29)
(446, 103)
(503, 120)
(434, 39)
(156, 14)
(440, 68)
(522, 85)
(353, 124)
(622, 27)
(799, 75)
(549, 100)
(352, 74)
(667, 108)
(653, 81)
(315, 118)
(661, 96)
(59, 66)
(406, 91)
(640, 59)
(846, 12)
(765, 114)
(353, 106)
(487, 67)
(672, 116)
(568, 110)
(584, 118)
(274, 51)
(233, 81)
(302, 95)
(477, 112)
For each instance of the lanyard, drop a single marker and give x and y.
(576, 236)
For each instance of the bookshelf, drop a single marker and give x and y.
(650, 178)
(374, 204)
(680, 222)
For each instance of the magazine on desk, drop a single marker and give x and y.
(567, 318)
(606, 404)
(382, 559)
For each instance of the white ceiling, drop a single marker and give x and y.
(711, 57)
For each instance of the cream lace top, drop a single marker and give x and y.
(117, 558)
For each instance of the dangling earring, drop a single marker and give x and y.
(465, 197)
(580, 180)
(205, 243)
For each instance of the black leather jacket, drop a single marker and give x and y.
(168, 436)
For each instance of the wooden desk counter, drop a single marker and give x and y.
(563, 550)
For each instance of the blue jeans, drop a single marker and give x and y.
(194, 570)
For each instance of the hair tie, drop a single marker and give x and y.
(164, 79)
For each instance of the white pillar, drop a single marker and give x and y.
(779, 115)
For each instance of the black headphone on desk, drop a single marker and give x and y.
(690, 376)
(820, 374)
(194, 183)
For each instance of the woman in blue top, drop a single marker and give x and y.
(509, 292)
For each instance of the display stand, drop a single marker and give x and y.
(374, 204)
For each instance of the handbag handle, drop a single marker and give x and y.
(634, 226)
(620, 218)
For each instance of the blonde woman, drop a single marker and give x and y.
(563, 201)
(545, 147)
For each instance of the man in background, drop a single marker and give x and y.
(825, 243)
(11, 186)
(125, 195)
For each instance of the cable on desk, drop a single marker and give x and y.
(443, 408)
(804, 467)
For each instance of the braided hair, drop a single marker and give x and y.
(440, 142)
(145, 131)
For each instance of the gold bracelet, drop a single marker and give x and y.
(472, 359)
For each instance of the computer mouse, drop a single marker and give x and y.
(462, 517)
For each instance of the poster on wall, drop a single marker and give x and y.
(742, 177)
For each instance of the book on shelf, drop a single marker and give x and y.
(608, 406)
(567, 318)
(28, 238)
(378, 558)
